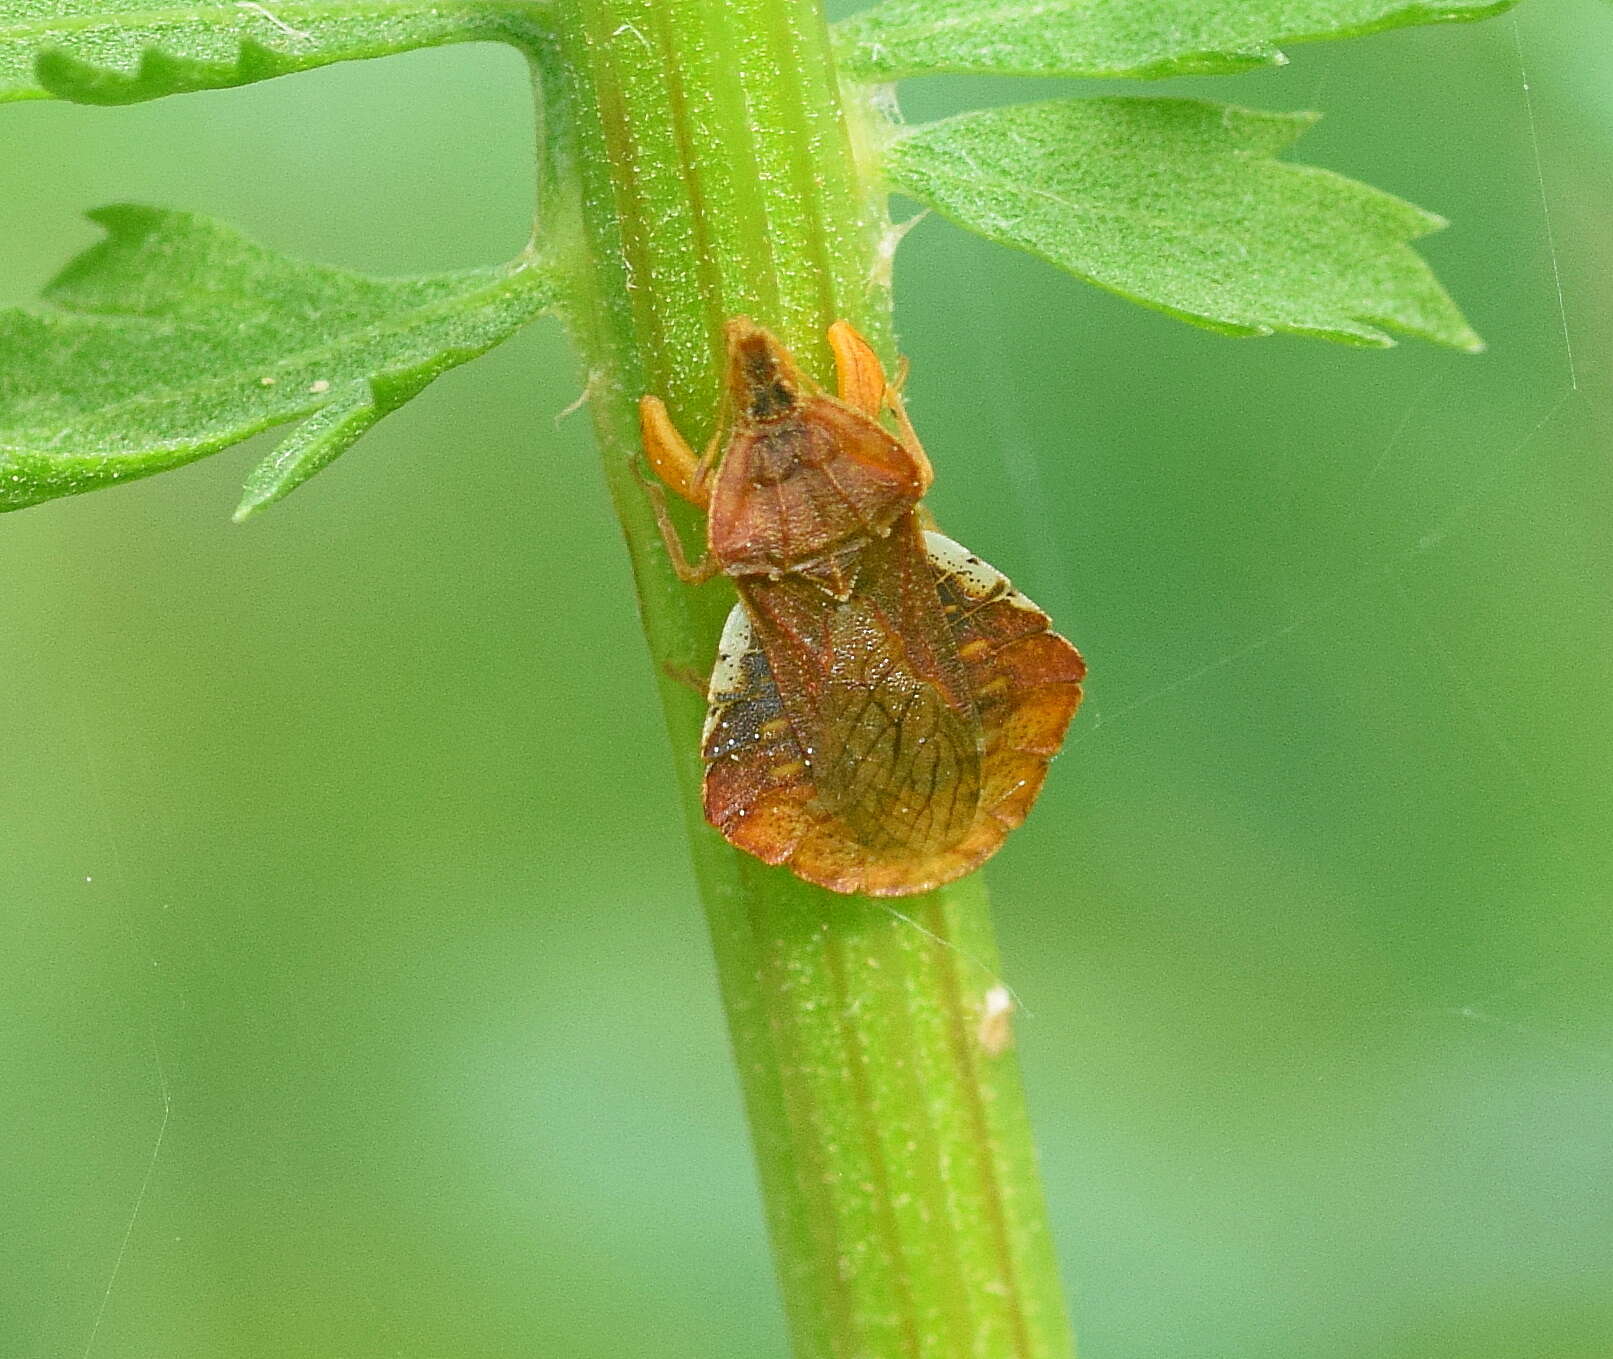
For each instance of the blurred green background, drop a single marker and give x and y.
(347, 930)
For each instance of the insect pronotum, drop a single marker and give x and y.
(884, 704)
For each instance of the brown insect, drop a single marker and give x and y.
(884, 704)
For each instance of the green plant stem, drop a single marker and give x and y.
(698, 164)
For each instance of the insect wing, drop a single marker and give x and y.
(896, 747)
(1025, 678)
(879, 706)
(757, 786)
(826, 770)
(859, 775)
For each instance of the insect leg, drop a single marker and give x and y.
(860, 380)
(670, 455)
(688, 677)
(691, 572)
(893, 403)
(863, 386)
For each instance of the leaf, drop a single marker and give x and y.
(176, 337)
(1142, 38)
(1179, 204)
(124, 51)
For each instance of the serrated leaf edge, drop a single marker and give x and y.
(161, 71)
(385, 391)
(1375, 331)
(1266, 54)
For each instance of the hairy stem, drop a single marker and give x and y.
(698, 164)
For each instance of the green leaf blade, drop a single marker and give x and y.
(1180, 205)
(1145, 39)
(311, 447)
(126, 51)
(176, 337)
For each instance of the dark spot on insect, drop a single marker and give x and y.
(771, 400)
(779, 455)
(760, 366)
(767, 394)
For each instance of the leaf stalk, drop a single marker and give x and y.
(698, 165)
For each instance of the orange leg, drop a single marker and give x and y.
(893, 403)
(859, 376)
(694, 573)
(675, 463)
(863, 386)
(670, 455)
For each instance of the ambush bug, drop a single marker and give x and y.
(884, 704)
